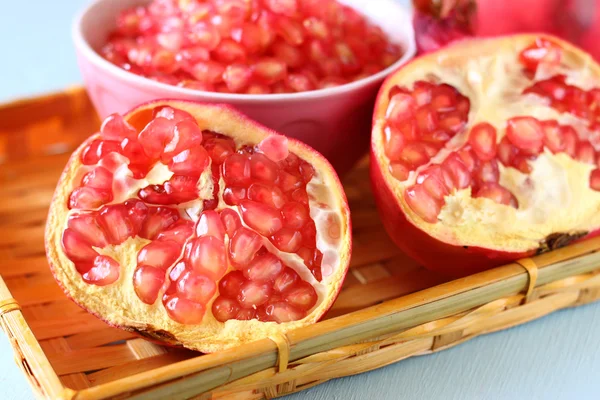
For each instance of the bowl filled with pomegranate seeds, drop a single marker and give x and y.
(307, 68)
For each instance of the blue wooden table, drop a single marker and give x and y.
(556, 357)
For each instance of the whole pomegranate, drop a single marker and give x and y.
(438, 22)
(191, 224)
(488, 150)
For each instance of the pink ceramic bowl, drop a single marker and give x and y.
(335, 121)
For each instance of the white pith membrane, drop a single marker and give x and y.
(118, 304)
(555, 197)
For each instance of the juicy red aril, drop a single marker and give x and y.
(147, 282)
(287, 240)
(97, 150)
(207, 256)
(497, 193)
(269, 195)
(483, 141)
(236, 170)
(76, 247)
(114, 127)
(265, 267)
(159, 254)
(156, 135)
(224, 309)
(526, 133)
(210, 224)
(178, 232)
(183, 310)
(283, 312)
(88, 197)
(103, 272)
(263, 219)
(115, 223)
(87, 228)
(231, 284)
(595, 180)
(285, 280)
(98, 178)
(244, 245)
(157, 221)
(190, 161)
(253, 294)
(231, 221)
(196, 287)
(247, 47)
(302, 296)
(542, 51)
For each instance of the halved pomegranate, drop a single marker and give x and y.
(191, 224)
(487, 151)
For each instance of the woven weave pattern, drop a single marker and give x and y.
(68, 353)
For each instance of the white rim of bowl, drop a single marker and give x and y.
(409, 48)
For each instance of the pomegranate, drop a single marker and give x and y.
(488, 150)
(249, 46)
(438, 22)
(191, 224)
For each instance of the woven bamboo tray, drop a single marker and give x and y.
(390, 307)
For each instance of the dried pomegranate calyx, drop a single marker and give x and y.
(520, 164)
(168, 249)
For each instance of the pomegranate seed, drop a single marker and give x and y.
(219, 149)
(98, 150)
(468, 159)
(76, 247)
(295, 215)
(186, 135)
(301, 296)
(483, 141)
(207, 257)
(394, 143)
(570, 139)
(274, 147)
(262, 218)
(543, 51)
(183, 310)
(246, 314)
(89, 198)
(487, 173)
(133, 150)
(289, 30)
(104, 272)
(452, 122)
(237, 77)
(432, 181)
(236, 170)
(251, 37)
(210, 224)
(190, 162)
(195, 287)
(158, 220)
(115, 223)
(586, 153)
(234, 195)
(283, 312)
(114, 127)
(443, 98)
(231, 284)
(285, 280)
(85, 226)
(525, 133)
(422, 203)
(231, 221)
(553, 136)
(208, 71)
(400, 109)
(269, 70)
(224, 309)
(521, 162)
(244, 245)
(265, 267)
(258, 88)
(414, 155)
(174, 114)
(290, 55)
(254, 294)
(262, 168)
(422, 93)
(159, 254)
(269, 195)
(595, 180)
(179, 232)
(287, 240)
(156, 135)
(147, 282)
(497, 193)
(283, 7)
(506, 151)
(399, 170)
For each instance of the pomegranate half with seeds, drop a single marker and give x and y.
(488, 150)
(191, 224)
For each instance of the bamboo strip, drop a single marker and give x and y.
(393, 316)
(28, 353)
